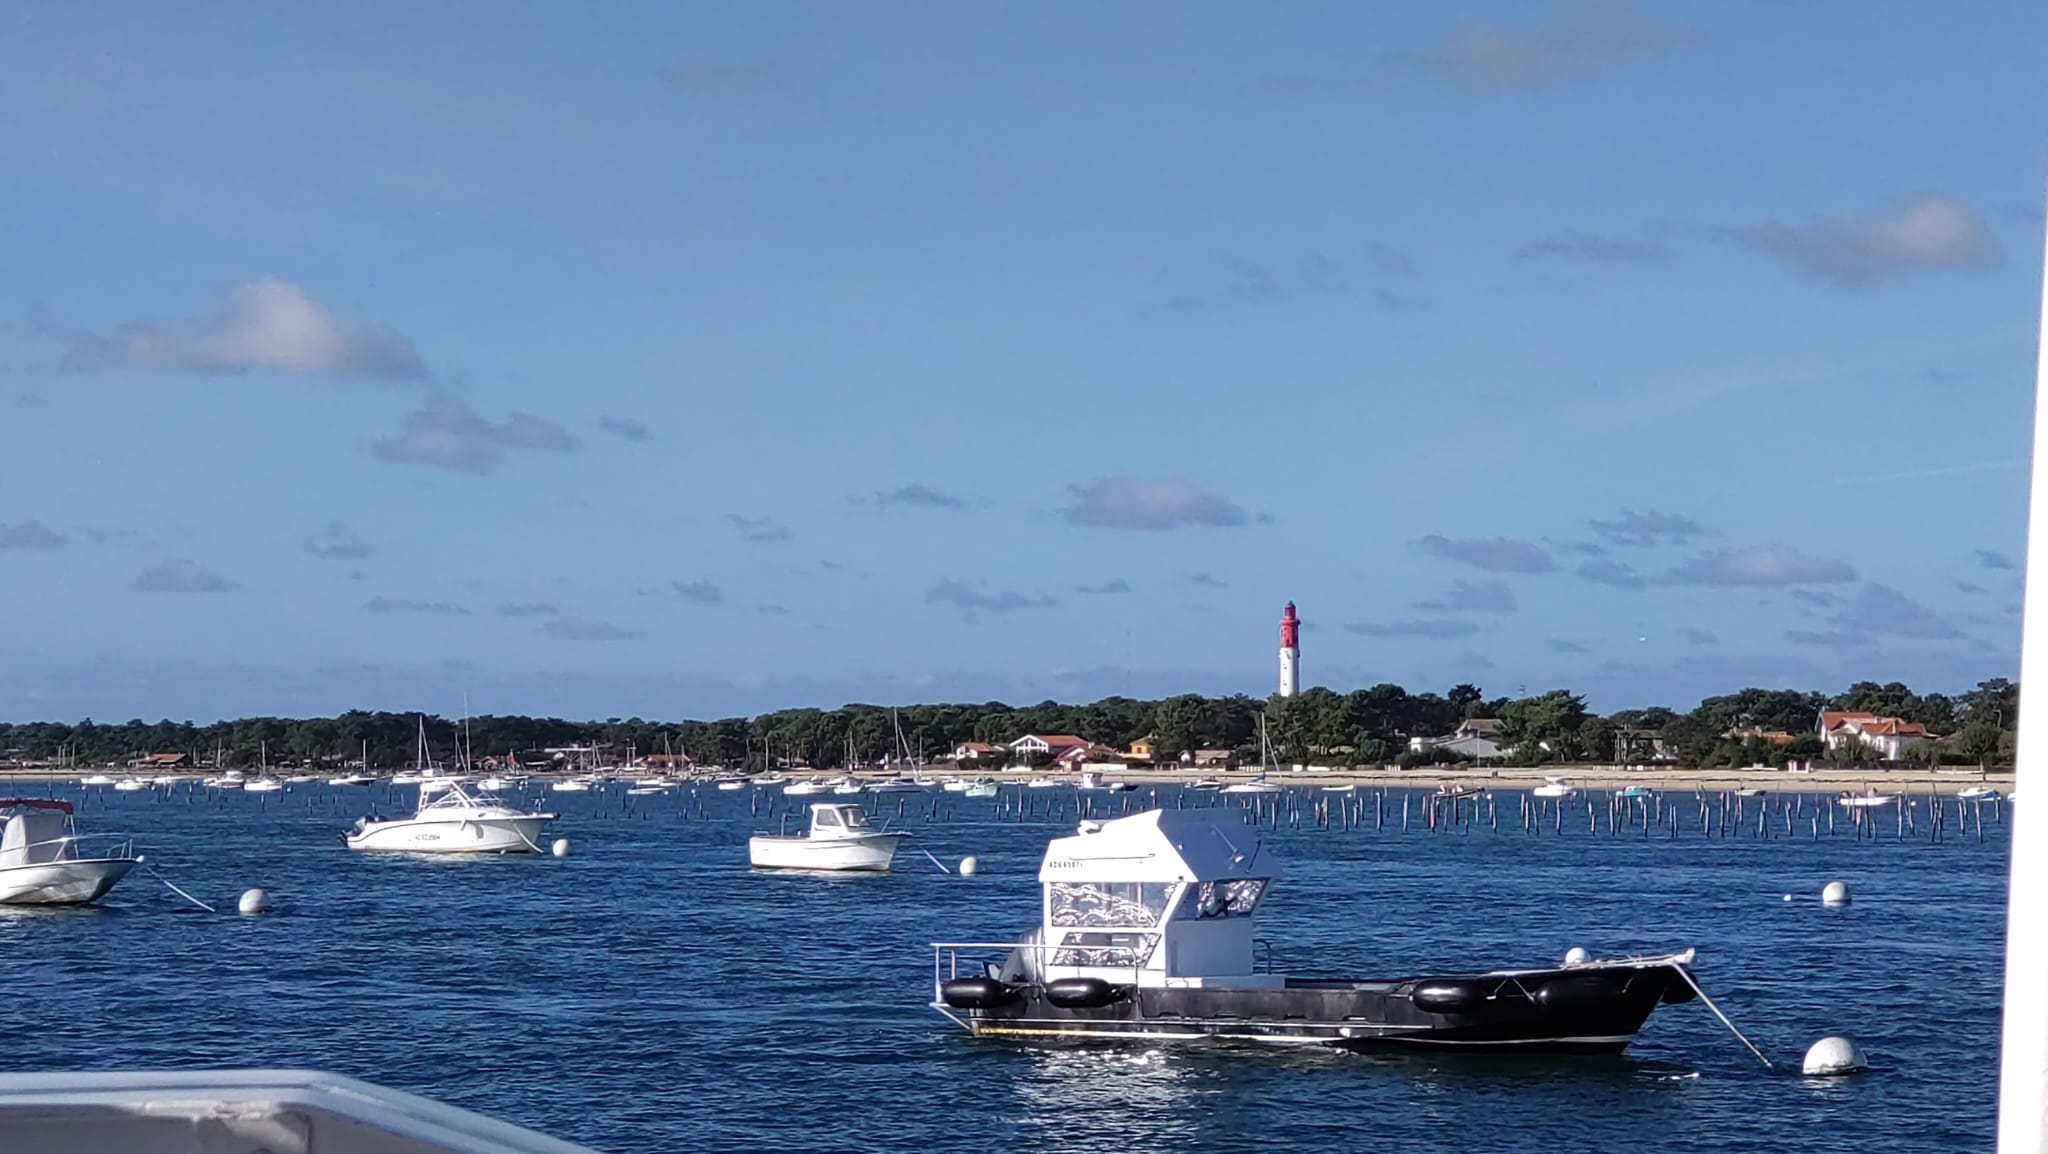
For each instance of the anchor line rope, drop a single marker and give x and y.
(181, 893)
(1690, 981)
(935, 861)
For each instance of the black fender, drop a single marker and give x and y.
(976, 993)
(1446, 995)
(1081, 993)
(1573, 992)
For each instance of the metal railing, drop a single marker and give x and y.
(120, 847)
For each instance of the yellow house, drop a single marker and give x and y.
(1141, 749)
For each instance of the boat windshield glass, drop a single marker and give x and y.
(856, 819)
(825, 818)
(1107, 903)
(1231, 899)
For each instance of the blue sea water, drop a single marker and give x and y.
(651, 993)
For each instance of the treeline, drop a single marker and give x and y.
(1364, 727)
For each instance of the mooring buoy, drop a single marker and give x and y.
(253, 902)
(1832, 1055)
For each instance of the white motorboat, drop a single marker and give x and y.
(168, 779)
(1351, 787)
(455, 821)
(571, 785)
(262, 785)
(1040, 783)
(981, 789)
(96, 779)
(1870, 800)
(1449, 792)
(803, 788)
(496, 784)
(130, 785)
(656, 782)
(1094, 783)
(646, 790)
(840, 838)
(232, 779)
(301, 779)
(896, 785)
(956, 785)
(1977, 793)
(352, 779)
(405, 778)
(730, 784)
(41, 859)
(1555, 787)
(847, 788)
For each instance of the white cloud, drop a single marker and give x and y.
(1762, 565)
(1928, 234)
(179, 575)
(1592, 40)
(448, 434)
(1138, 504)
(268, 325)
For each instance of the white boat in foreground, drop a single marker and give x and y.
(840, 838)
(1870, 800)
(41, 862)
(1977, 793)
(453, 822)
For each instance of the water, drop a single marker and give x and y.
(650, 993)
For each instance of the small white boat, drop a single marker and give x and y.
(1870, 800)
(232, 779)
(956, 785)
(130, 785)
(352, 779)
(1094, 783)
(96, 779)
(167, 779)
(1977, 793)
(1555, 787)
(646, 790)
(897, 785)
(803, 788)
(454, 822)
(1352, 788)
(730, 784)
(570, 785)
(1255, 785)
(494, 784)
(1206, 785)
(406, 778)
(655, 783)
(1040, 783)
(300, 779)
(41, 862)
(262, 785)
(847, 788)
(1449, 792)
(840, 838)
(980, 789)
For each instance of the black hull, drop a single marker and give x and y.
(1583, 1010)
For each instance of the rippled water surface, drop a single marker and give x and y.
(650, 993)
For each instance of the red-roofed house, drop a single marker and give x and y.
(1890, 737)
(1087, 753)
(972, 750)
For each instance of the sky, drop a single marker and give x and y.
(686, 360)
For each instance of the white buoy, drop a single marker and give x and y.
(253, 902)
(1577, 956)
(969, 866)
(1835, 894)
(1788, 897)
(1832, 1055)
(561, 847)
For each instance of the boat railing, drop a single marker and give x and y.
(946, 958)
(1262, 956)
(116, 846)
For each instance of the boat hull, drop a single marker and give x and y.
(870, 853)
(1584, 1010)
(472, 835)
(61, 883)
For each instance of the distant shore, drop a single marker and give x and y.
(1825, 780)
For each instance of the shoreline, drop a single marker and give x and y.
(1597, 777)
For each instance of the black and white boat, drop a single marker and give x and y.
(1148, 930)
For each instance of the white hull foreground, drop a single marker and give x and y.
(61, 883)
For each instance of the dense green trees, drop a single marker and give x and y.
(1369, 726)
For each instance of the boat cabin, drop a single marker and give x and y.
(1161, 898)
(839, 821)
(33, 831)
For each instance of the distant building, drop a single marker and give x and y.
(1476, 737)
(1047, 743)
(1141, 749)
(1891, 738)
(162, 761)
(1773, 736)
(1209, 758)
(1085, 754)
(974, 751)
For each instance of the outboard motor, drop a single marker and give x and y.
(1023, 966)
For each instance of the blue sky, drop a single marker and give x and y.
(684, 360)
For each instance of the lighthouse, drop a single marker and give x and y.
(1290, 652)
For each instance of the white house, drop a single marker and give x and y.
(1890, 738)
(1053, 744)
(1476, 737)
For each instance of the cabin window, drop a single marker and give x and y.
(1100, 949)
(827, 818)
(856, 819)
(1231, 899)
(1107, 903)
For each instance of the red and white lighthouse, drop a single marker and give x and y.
(1290, 652)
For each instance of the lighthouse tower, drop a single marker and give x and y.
(1290, 652)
